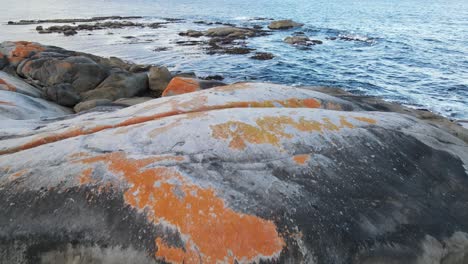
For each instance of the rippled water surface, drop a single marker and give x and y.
(414, 51)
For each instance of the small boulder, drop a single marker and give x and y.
(119, 84)
(262, 56)
(298, 40)
(39, 28)
(302, 40)
(158, 79)
(191, 33)
(70, 32)
(87, 105)
(62, 94)
(180, 85)
(284, 24)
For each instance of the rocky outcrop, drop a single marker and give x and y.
(68, 77)
(181, 85)
(302, 40)
(284, 24)
(241, 173)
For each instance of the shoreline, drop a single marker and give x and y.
(142, 41)
(155, 166)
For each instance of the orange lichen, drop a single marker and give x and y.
(270, 129)
(17, 174)
(211, 231)
(301, 159)
(25, 49)
(85, 176)
(366, 119)
(180, 85)
(8, 86)
(7, 103)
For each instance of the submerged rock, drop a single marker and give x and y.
(284, 24)
(242, 173)
(302, 40)
(262, 56)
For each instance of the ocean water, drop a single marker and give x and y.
(414, 52)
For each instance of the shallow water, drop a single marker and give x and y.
(414, 52)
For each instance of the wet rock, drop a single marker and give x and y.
(302, 40)
(262, 56)
(62, 94)
(181, 85)
(281, 174)
(158, 78)
(39, 28)
(72, 20)
(237, 50)
(191, 33)
(119, 84)
(70, 32)
(230, 32)
(284, 24)
(90, 104)
(189, 42)
(213, 77)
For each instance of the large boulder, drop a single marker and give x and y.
(244, 173)
(158, 79)
(11, 83)
(81, 72)
(284, 24)
(181, 85)
(18, 106)
(119, 84)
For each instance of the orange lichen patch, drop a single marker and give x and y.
(17, 174)
(333, 106)
(291, 103)
(211, 231)
(270, 129)
(301, 159)
(24, 50)
(176, 255)
(7, 103)
(8, 86)
(366, 119)
(86, 176)
(180, 85)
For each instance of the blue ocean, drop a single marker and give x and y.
(413, 52)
